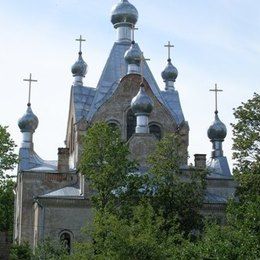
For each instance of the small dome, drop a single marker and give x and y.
(29, 121)
(124, 12)
(170, 73)
(80, 67)
(133, 55)
(142, 104)
(217, 131)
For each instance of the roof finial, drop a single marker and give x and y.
(142, 59)
(216, 90)
(80, 40)
(133, 32)
(30, 80)
(169, 46)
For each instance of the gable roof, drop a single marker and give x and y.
(88, 100)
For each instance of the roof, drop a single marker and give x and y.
(214, 198)
(63, 192)
(31, 161)
(88, 100)
(83, 98)
(218, 168)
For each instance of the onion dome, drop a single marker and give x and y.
(29, 121)
(217, 131)
(133, 55)
(142, 104)
(80, 67)
(170, 73)
(124, 12)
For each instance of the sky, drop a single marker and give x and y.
(215, 42)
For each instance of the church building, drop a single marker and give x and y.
(52, 198)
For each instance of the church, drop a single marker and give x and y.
(52, 197)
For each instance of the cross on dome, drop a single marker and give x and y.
(30, 80)
(142, 59)
(169, 46)
(80, 40)
(133, 32)
(216, 90)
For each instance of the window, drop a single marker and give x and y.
(114, 124)
(131, 123)
(65, 239)
(156, 130)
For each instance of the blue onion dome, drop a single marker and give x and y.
(217, 131)
(80, 67)
(142, 104)
(133, 55)
(29, 121)
(170, 73)
(124, 12)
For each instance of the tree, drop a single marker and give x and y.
(106, 165)
(8, 158)
(7, 208)
(178, 194)
(50, 250)
(246, 146)
(139, 237)
(20, 252)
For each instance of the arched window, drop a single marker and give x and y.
(65, 239)
(114, 124)
(156, 130)
(131, 123)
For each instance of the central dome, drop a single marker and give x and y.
(124, 12)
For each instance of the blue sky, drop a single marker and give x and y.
(215, 42)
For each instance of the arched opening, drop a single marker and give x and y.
(156, 130)
(131, 123)
(114, 124)
(65, 239)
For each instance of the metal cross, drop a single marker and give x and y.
(133, 32)
(142, 59)
(80, 40)
(30, 80)
(169, 46)
(216, 90)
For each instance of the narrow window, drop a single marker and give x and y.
(65, 239)
(156, 130)
(131, 123)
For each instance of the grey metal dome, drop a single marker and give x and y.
(142, 104)
(29, 121)
(124, 12)
(80, 67)
(133, 55)
(170, 73)
(217, 131)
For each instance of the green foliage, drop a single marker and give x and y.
(177, 194)
(21, 252)
(106, 165)
(6, 206)
(8, 158)
(50, 250)
(137, 238)
(246, 137)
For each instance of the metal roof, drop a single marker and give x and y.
(88, 100)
